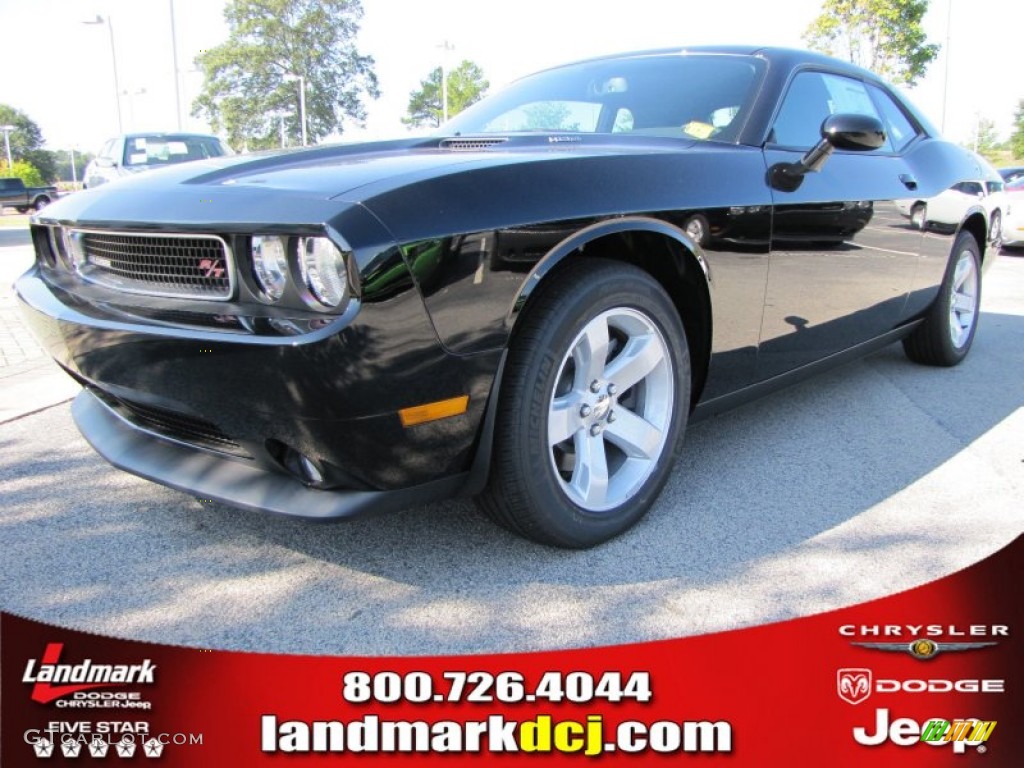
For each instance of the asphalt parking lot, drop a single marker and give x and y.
(873, 478)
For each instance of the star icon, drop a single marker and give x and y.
(43, 748)
(98, 747)
(153, 748)
(71, 748)
(125, 748)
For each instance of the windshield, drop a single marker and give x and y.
(679, 96)
(142, 151)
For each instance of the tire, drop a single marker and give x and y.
(946, 335)
(918, 216)
(40, 202)
(697, 228)
(622, 410)
(995, 230)
(22, 209)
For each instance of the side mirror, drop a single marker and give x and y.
(855, 133)
(105, 162)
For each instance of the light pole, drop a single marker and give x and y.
(113, 57)
(446, 47)
(131, 104)
(7, 145)
(945, 72)
(302, 102)
(74, 173)
(177, 84)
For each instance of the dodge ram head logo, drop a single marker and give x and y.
(853, 685)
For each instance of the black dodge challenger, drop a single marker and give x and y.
(526, 308)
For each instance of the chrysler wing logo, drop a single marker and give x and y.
(923, 648)
(853, 685)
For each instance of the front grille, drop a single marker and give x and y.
(176, 266)
(176, 426)
(470, 145)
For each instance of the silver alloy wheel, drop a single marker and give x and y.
(963, 305)
(695, 229)
(611, 409)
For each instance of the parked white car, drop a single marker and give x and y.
(949, 208)
(134, 152)
(1013, 224)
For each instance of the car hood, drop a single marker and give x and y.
(305, 186)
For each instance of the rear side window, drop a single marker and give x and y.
(812, 97)
(166, 150)
(897, 127)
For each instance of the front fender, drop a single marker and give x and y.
(579, 240)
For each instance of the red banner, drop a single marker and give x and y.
(929, 677)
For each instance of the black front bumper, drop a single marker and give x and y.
(214, 478)
(159, 399)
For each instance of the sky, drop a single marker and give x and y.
(59, 70)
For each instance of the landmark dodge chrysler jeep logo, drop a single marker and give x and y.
(79, 677)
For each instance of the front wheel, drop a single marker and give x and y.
(41, 202)
(593, 406)
(946, 335)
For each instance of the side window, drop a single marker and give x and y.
(813, 96)
(898, 128)
(623, 121)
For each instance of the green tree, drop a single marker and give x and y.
(250, 79)
(466, 85)
(82, 159)
(1017, 136)
(27, 142)
(884, 36)
(986, 140)
(549, 116)
(23, 170)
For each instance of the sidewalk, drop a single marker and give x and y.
(29, 380)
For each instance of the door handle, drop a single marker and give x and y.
(908, 181)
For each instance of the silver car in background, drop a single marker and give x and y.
(131, 153)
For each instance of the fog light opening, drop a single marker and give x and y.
(310, 472)
(301, 466)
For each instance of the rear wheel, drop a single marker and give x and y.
(946, 335)
(593, 406)
(697, 228)
(918, 215)
(995, 230)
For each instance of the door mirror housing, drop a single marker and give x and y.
(855, 133)
(105, 162)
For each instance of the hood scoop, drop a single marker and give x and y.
(470, 144)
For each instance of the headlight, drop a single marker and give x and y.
(270, 265)
(323, 270)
